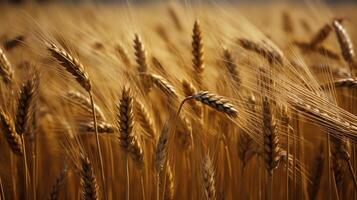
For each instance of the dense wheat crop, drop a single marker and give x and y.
(178, 101)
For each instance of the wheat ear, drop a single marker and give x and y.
(13, 139)
(75, 67)
(54, 193)
(189, 90)
(209, 178)
(162, 84)
(140, 54)
(88, 180)
(317, 174)
(231, 67)
(145, 120)
(84, 102)
(103, 127)
(216, 102)
(271, 144)
(197, 52)
(6, 71)
(121, 52)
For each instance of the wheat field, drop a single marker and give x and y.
(175, 100)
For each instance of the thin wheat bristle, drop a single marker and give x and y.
(344, 42)
(71, 64)
(216, 102)
(140, 55)
(9, 131)
(271, 139)
(162, 84)
(103, 127)
(84, 102)
(6, 70)
(231, 67)
(121, 52)
(197, 51)
(25, 105)
(209, 182)
(55, 190)
(145, 120)
(88, 180)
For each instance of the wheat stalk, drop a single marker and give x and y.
(75, 67)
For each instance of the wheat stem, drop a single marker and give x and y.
(99, 151)
(127, 176)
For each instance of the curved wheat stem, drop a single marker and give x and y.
(75, 67)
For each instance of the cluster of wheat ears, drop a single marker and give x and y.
(177, 101)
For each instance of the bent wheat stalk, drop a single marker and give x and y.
(75, 67)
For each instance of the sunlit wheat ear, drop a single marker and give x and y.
(6, 71)
(197, 52)
(317, 173)
(170, 184)
(190, 90)
(54, 193)
(88, 180)
(231, 67)
(121, 52)
(140, 54)
(175, 18)
(103, 127)
(84, 102)
(345, 43)
(209, 182)
(161, 148)
(271, 138)
(161, 83)
(71, 64)
(25, 104)
(125, 118)
(145, 120)
(216, 102)
(270, 55)
(343, 83)
(8, 129)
